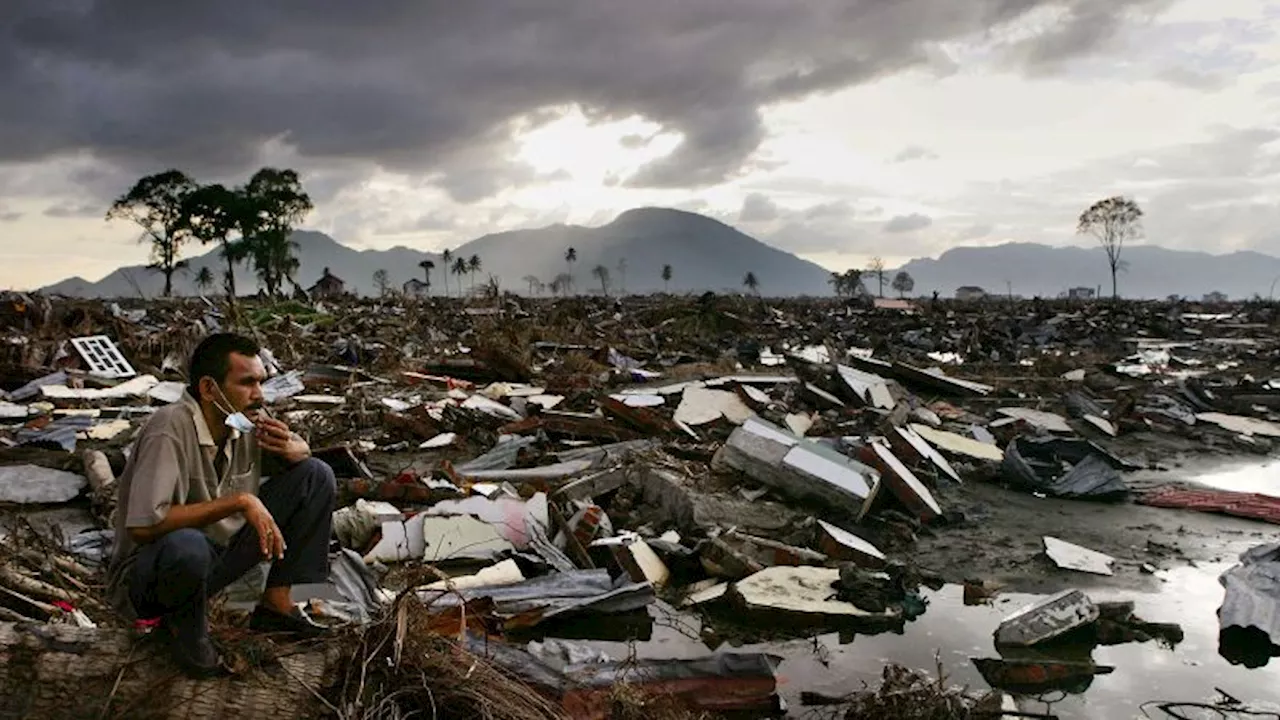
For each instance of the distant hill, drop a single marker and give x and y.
(1040, 270)
(705, 254)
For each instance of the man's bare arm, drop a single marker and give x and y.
(195, 515)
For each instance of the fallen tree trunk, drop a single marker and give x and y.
(62, 671)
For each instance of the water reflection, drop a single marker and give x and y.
(836, 664)
(1262, 478)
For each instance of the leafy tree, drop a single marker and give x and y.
(427, 266)
(602, 274)
(533, 282)
(571, 257)
(903, 283)
(158, 204)
(460, 268)
(751, 282)
(474, 266)
(853, 282)
(876, 270)
(213, 213)
(272, 203)
(446, 256)
(204, 279)
(1113, 221)
(380, 281)
(666, 278)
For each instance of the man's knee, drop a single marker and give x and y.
(184, 553)
(324, 486)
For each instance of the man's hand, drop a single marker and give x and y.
(276, 437)
(270, 539)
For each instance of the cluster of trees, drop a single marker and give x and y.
(252, 222)
(850, 282)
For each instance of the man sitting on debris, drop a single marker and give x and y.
(191, 517)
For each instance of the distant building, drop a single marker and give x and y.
(328, 286)
(970, 292)
(1215, 298)
(1082, 293)
(416, 288)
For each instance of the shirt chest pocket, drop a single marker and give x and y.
(246, 481)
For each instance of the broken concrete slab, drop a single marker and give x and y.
(840, 544)
(949, 442)
(1073, 557)
(1052, 422)
(461, 537)
(1238, 424)
(903, 483)
(870, 389)
(28, 484)
(700, 406)
(802, 593)
(1047, 619)
(800, 468)
(908, 443)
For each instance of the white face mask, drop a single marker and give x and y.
(235, 420)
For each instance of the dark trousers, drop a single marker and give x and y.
(174, 576)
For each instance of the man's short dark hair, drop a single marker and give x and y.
(212, 357)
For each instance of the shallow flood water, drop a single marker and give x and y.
(1190, 672)
(1262, 478)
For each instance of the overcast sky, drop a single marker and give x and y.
(834, 129)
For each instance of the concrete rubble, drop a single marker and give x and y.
(587, 458)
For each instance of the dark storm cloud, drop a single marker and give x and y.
(907, 223)
(437, 86)
(74, 210)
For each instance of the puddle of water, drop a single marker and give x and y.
(1262, 478)
(1143, 671)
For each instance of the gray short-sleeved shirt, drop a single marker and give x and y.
(173, 464)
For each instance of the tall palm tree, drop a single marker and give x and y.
(666, 278)
(473, 266)
(446, 256)
(460, 269)
(571, 257)
(752, 283)
(427, 266)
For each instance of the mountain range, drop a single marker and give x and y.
(706, 254)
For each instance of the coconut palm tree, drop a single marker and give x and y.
(752, 283)
(204, 279)
(446, 256)
(459, 269)
(571, 257)
(473, 266)
(666, 278)
(427, 266)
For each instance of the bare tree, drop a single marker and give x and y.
(602, 274)
(1113, 221)
(533, 282)
(622, 276)
(876, 270)
(751, 282)
(381, 282)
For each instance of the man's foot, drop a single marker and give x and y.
(296, 623)
(192, 651)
